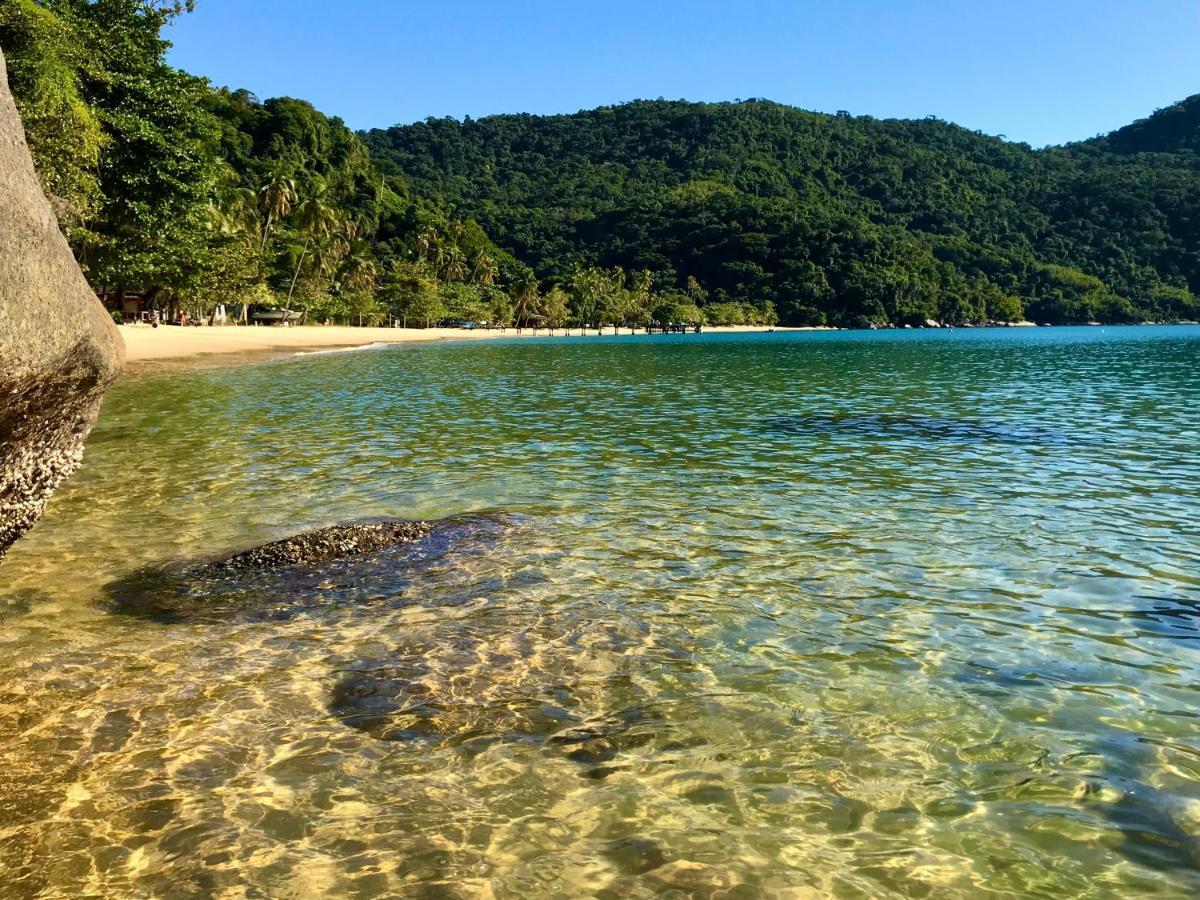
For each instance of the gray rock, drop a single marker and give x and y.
(325, 544)
(324, 571)
(59, 349)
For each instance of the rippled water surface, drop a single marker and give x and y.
(863, 615)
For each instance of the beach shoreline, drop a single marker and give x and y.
(174, 348)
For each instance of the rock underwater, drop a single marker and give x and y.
(325, 545)
(337, 567)
(59, 349)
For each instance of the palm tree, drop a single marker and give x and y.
(585, 292)
(234, 209)
(318, 222)
(640, 297)
(554, 308)
(614, 299)
(525, 295)
(456, 264)
(233, 213)
(327, 252)
(428, 244)
(483, 269)
(358, 273)
(276, 198)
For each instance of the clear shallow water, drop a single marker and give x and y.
(908, 614)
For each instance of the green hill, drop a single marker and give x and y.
(1175, 129)
(831, 218)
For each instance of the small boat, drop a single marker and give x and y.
(276, 316)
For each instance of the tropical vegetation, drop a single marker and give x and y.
(745, 212)
(839, 219)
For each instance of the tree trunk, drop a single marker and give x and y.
(296, 277)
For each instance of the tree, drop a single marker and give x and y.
(639, 299)
(193, 195)
(613, 303)
(555, 308)
(725, 314)
(525, 300)
(464, 301)
(317, 222)
(428, 246)
(364, 307)
(1172, 303)
(409, 291)
(677, 310)
(483, 269)
(356, 280)
(160, 168)
(500, 311)
(47, 61)
(455, 266)
(276, 196)
(586, 291)
(1002, 307)
(766, 313)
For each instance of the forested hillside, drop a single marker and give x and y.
(840, 219)
(190, 196)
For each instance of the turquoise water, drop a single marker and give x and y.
(849, 614)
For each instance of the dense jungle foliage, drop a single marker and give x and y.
(746, 212)
(193, 196)
(840, 219)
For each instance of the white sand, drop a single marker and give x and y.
(238, 343)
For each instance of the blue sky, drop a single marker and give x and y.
(1043, 72)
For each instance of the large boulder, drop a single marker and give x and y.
(59, 349)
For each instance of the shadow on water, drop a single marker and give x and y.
(208, 592)
(931, 428)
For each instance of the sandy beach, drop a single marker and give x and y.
(172, 347)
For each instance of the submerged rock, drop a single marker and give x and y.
(325, 545)
(326, 569)
(59, 349)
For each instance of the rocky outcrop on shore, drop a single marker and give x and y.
(59, 349)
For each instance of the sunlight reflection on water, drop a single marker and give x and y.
(888, 614)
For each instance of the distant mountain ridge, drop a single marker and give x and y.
(832, 218)
(1173, 129)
